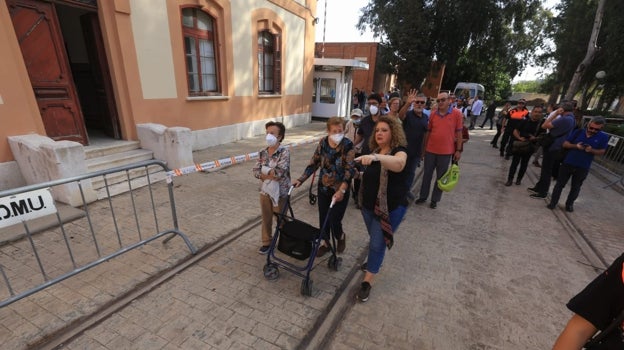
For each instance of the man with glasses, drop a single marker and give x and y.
(443, 143)
(582, 146)
(415, 127)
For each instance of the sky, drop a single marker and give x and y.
(343, 15)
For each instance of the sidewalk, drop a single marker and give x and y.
(490, 268)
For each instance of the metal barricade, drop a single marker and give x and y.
(613, 159)
(45, 242)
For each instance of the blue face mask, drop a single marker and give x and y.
(356, 122)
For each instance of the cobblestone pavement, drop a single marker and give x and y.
(490, 268)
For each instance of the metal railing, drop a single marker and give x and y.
(41, 244)
(613, 159)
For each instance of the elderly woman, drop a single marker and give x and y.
(334, 156)
(273, 169)
(383, 192)
(394, 104)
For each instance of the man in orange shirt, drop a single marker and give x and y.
(443, 142)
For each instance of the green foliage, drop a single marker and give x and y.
(570, 31)
(485, 41)
(532, 86)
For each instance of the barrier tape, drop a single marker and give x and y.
(220, 163)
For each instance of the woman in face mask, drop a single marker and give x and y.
(334, 157)
(273, 169)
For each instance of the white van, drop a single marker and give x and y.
(468, 91)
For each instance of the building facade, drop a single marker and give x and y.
(366, 80)
(71, 69)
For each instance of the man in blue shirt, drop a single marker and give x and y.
(559, 128)
(415, 125)
(582, 146)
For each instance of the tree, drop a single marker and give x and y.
(486, 41)
(592, 48)
(571, 31)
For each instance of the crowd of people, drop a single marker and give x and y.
(372, 158)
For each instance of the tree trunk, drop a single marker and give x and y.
(589, 56)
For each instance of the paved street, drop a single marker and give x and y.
(490, 268)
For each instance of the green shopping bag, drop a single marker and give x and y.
(449, 180)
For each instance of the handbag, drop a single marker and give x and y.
(449, 180)
(522, 148)
(545, 140)
(295, 239)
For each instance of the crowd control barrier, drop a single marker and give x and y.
(43, 242)
(613, 159)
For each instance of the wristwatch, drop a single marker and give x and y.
(343, 191)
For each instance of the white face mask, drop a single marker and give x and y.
(271, 140)
(373, 110)
(336, 138)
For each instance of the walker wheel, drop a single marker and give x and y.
(306, 287)
(271, 272)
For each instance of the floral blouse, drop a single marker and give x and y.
(336, 164)
(280, 162)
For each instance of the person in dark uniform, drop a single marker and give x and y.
(595, 308)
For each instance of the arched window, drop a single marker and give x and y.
(269, 63)
(199, 47)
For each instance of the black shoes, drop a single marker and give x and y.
(518, 182)
(264, 249)
(538, 195)
(433, 205)
(508, 183)
(532, 189)
(342, 243)
(551, 206)
(364, 291)
(420, 201)
(507, 157)
(323, 249)
(569, 208)
(494, 146)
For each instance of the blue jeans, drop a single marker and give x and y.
(567, 171)
(377, 245)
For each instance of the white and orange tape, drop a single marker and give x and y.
(197, 167)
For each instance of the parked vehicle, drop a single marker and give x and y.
(468, 91)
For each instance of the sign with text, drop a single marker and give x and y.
(26, 206)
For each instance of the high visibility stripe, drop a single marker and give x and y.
(228, 161)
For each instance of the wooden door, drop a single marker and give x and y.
(41, 42)
(101, 75)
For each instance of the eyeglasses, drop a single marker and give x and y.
(441, 100)
(593, 129)
(419, 102)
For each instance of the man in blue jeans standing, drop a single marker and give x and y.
(559, 129)
(583, 145)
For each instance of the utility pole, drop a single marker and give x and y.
(592, 48)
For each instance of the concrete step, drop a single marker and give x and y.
(106, 149)
(118, 159)
(136, 182)
(120, 177)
